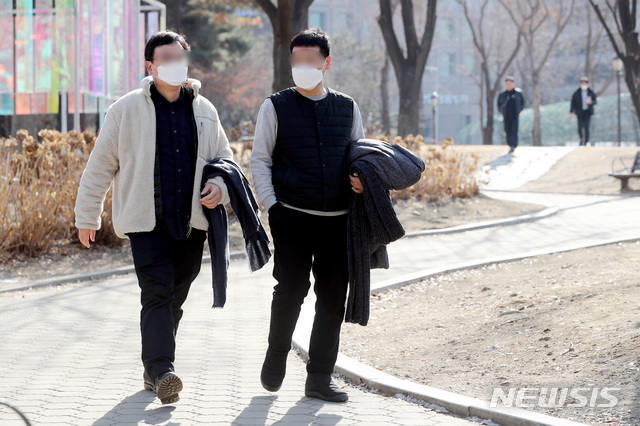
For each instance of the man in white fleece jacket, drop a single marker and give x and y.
(153, 147)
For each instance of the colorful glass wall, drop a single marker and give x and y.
(51, 49)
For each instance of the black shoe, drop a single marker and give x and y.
(148, 383)
(166, 386)
(511, 150)
(273, 371)
(320, 385)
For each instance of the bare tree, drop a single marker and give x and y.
(543, 24)
(287, 18)
(385, 116)
(384, 96)
(488, 42)
(408, 68)
(625, 43)
(592, 48)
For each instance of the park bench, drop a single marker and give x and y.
(624, 176)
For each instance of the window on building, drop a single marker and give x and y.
(446, 63)
(342, 23)
(469, 63)
(316, 19)
(446, 28)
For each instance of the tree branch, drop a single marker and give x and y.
(596, 8)
(411, 39)
(385, 21)
(270, 9)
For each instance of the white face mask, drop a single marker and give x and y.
(174, 73)
(584, 86)
(306, 77)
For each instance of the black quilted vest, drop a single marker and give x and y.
(310, 169)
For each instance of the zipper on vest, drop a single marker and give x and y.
(324, 188)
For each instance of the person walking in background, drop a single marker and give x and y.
(153, 146)
(300, 172)
(510, 104)
(582, 103)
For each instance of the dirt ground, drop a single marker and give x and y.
(417, 216)
(567, 320)
(586, 171)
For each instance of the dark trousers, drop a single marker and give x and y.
(511, 129)
(583, 127)
(307, 243)
(165, 268)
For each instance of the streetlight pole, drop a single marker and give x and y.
(618, 65)
(434, 108)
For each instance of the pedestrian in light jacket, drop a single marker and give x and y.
(153, 147)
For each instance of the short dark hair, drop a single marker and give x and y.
(161, 39)
(312, 37)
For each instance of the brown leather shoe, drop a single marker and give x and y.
(166, 386)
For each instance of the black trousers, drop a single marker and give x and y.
(307, 243)
(165, 268)
(511, 129)
(583, 127)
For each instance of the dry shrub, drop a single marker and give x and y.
(38, 187)
(40, 177)
(449, 173)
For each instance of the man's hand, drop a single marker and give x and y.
(570, 114)
(85, 235)
(356, 185)
(211, 195)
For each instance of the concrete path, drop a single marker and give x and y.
(583, 221)
(526, 164)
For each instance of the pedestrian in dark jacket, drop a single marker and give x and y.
(582, 103)
(300, 172)
(373, 223)
(247, 211)
(510, 105)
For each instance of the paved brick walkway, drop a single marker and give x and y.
(70, 355)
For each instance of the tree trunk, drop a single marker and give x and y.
(487, 129)
(408, 67)
(287, 19)
(410, 102)
(384, 95)
(281, 68)
(536, 133)
(634, 93)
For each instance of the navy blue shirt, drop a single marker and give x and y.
(511, 104)
(176, 142)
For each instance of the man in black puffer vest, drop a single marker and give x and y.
(300, 171)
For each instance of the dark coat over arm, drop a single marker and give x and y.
(247, 211)
(372, 222)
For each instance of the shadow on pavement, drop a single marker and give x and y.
(304, 413)
(132, 408)
(503, 160)
(257, 411)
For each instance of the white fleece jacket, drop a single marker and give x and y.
(124, 153)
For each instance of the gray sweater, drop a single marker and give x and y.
(262, 156)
